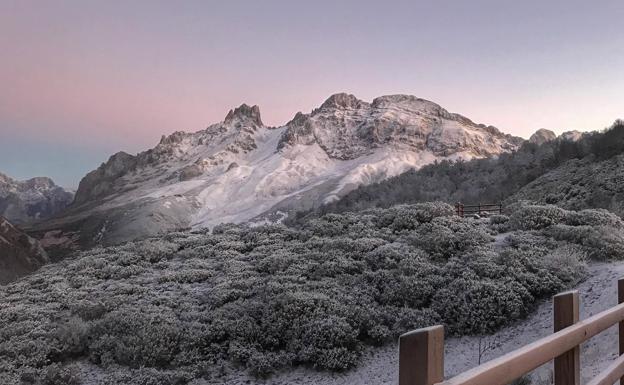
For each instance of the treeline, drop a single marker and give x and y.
(479, 180)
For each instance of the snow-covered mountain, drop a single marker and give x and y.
(240, 169)
(32, 199)
(19, 253)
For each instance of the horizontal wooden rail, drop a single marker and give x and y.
(611, 374)
(561, 346)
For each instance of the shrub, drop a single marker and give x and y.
(61, 375)
(189, 305)
(532, 217)
(133, 338)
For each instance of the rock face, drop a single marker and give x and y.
(347, 128)
(19, 253)
(34, 199)
(542, 136)
(240, 169)
(572, 136)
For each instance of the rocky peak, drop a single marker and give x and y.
(39, 183)
(244, 112)
(542, 136)
(572, 136)
(99, 182)
(174, 138)
(342, 101)
(30, 200)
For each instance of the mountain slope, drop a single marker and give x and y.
(580, 184)
(240, 169)
(30, 200)
(574, 170)
(19, 253)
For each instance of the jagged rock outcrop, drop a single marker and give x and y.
(572, 136)
(33, 199)
(19, 253)
(542, 136)
(240, 169)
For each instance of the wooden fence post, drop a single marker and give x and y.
(621, 324)
(421, 356)
(566, 313)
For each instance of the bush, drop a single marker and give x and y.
(532, 217)
(61, 375)
(134, 338)
(191, 305)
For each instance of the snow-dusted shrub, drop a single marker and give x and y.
(407, 217)
(56, 374)
(135, 338)
(593, 217)
(500, 223)
(600, 242)
(480, 306)
(331, 342)
(71, 340)
(569, 263)
(269, 297)
(445, 237)
(534, 217)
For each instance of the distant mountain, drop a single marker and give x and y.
(574, 170)
(241, 169)
(19, 253)
(33, 199)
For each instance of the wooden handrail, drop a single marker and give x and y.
(611, 374)
(562, 345)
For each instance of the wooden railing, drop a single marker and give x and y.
(421, 352)
(481, 208)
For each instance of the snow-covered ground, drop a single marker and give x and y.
(380, 366)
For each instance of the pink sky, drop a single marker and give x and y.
(83, 80)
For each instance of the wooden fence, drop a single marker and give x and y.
(481, 208)
(421, 352)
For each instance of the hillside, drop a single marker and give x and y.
(19, 253)
(240, 169)
(574, 171)
(194, 307)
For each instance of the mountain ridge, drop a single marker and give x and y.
(239, 169)
(32, 199)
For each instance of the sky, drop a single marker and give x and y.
(81, 80)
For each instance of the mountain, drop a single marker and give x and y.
(240, 169)
(33, 199)
(19, 253)
(574, 170)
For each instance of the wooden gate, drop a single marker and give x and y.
(481, 208)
